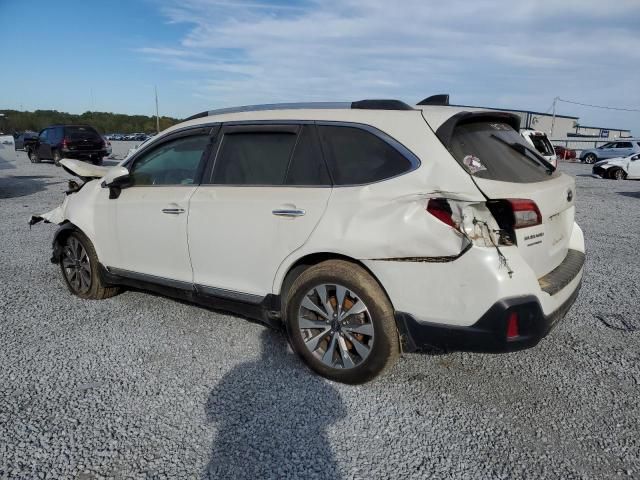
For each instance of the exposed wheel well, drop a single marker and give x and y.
(313, 259)
(66, 229)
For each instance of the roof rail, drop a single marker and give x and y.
(359, 105)
(440, 99)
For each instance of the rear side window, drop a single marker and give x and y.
(80, 133)
(624, 145)
(307, 166)
(495, 151)
(254, 158)
(355, 156)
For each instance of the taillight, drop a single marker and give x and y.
(525, 213)
(512, 326)
(65, 143)
(440, 208)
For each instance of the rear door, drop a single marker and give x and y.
(504, 166)
(623, 149)
(268, 189)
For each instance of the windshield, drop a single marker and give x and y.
(495, 151)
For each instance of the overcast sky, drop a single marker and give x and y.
(80, 55)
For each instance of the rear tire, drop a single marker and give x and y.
(80, 269)
(33, 156)
(590, 158)
(350, 348)
(56, 158)
(97, 160)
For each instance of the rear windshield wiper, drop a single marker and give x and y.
(524, 150)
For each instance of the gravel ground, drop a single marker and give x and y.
(141, 386)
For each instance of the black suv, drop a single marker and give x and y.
(56, 142)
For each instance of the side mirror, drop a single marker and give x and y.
(115, 180)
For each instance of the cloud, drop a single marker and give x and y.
(480, 52)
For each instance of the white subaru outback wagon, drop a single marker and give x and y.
(365, 229)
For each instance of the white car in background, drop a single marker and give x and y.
(541, 143)
(364, 229)
(619, 168)
(7, 151)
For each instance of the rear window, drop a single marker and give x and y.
(80, 133)
(495, 151)
(542, 144)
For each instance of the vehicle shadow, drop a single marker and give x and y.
(20, 186)
(629, 194)
(272, 415)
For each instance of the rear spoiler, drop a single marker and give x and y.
(445, 131)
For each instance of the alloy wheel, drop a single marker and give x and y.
(336, 326)
(76, 265)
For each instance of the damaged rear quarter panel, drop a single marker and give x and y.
(389, 220)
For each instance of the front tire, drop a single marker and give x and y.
(341, 323)
(33, 156)
(618, 174)
(79, 266)
(590, 158)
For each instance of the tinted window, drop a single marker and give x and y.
(254, 158)
(173, 163)
(81, 133)
(43, 135)
(624, 145)
(355, 156)
(307, 166)
(497, 152)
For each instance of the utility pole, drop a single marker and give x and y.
(157, 116)
(553, 119)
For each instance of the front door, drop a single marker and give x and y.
(151, 215)
(44, 143)
(634, 167)
(268, 190)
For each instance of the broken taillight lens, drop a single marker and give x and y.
(525, 213)
(440, 208)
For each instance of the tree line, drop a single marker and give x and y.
(105, 122)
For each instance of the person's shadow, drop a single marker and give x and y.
(272, 415)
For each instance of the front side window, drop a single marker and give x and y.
(175, 162)
(253, 158)
(355, 156)
(495, 151)
(43, 135)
